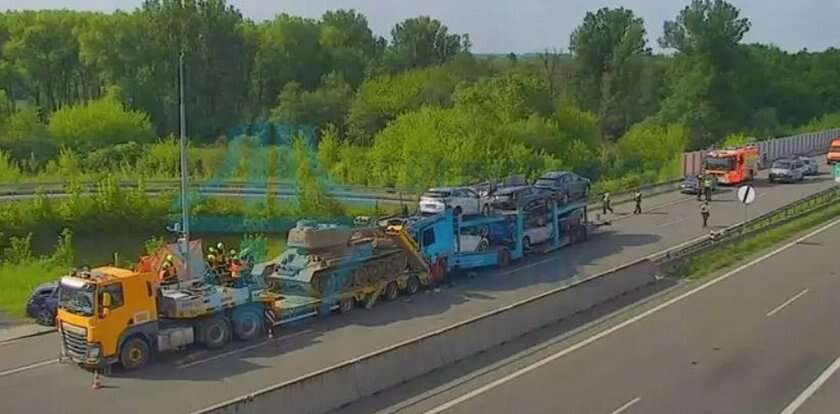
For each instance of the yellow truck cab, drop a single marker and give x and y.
(107, 315)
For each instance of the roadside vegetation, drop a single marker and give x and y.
(91, 97)
(718, 259)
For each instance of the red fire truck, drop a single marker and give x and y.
(733, 166)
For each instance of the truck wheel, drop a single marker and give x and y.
(346, 305)
(135, 353)
(392, 291)
(247, 325)
(214, 332)
(503, 257)
(412, 285)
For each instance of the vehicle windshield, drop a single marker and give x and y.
(544, 182)
(78, 300)
(784, 165)
(436, 194)
(720, 163)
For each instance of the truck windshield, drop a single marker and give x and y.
(77, 299)
(720, 163)
(783, 165)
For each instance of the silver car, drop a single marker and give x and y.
(462, 200)
(813, 168)
(787, 170)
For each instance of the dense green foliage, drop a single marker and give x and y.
(82, 95)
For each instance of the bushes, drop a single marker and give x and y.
(21, 272)
(98, 124)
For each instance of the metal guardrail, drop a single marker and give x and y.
(283, 188)
(741, 230)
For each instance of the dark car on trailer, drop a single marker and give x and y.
(564, 186)
(523, 197)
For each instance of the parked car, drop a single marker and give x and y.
(692, 184)
(461, 200)
(520, 197)
(812, 167)
(43, 304)
(564, 185)
(787, 170)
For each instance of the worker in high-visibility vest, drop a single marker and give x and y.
(167, 272)
(707, 187)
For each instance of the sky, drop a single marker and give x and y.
(524, 26)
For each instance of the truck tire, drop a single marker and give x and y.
(346, 305)
(503, 257)
(214, 332)
(247, 325)
(392, 291)
(135, 353)
(526, 243)
(412, 285)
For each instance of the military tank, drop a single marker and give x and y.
(328, 259)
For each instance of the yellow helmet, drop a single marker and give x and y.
(212, 249)
(211, 258)
(169, 257)
(221, 247)
(167, 265)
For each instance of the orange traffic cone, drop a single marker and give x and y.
(97, 383)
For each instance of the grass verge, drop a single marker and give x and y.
(19, 279)
(710, 262)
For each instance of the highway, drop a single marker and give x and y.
(763, 338)
(183, 382)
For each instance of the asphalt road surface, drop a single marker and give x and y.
(764, 338)
(30, 380)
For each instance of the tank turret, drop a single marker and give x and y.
(327, 259)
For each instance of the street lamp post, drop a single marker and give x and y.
(185, 208)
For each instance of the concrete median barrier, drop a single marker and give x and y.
(336, 386)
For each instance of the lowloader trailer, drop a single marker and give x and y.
(110, 315)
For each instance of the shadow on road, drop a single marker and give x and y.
(505, 357)
(538, 273)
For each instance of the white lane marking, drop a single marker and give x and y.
(668, 223)
(27, 367)
(524, 267)
(787, 302)
(241, 350)
(26, 338)
(808, 392)
(626, 405)
(604, 333)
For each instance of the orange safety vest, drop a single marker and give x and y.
(234, 268)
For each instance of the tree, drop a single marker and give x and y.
(99, 123)
(422, 41)
(607, 47)
(326, 105)
(708, 93)
(654, 148)
(289, 50)
(349, 44)
(382, 98)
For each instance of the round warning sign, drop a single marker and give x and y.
(746, 194)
